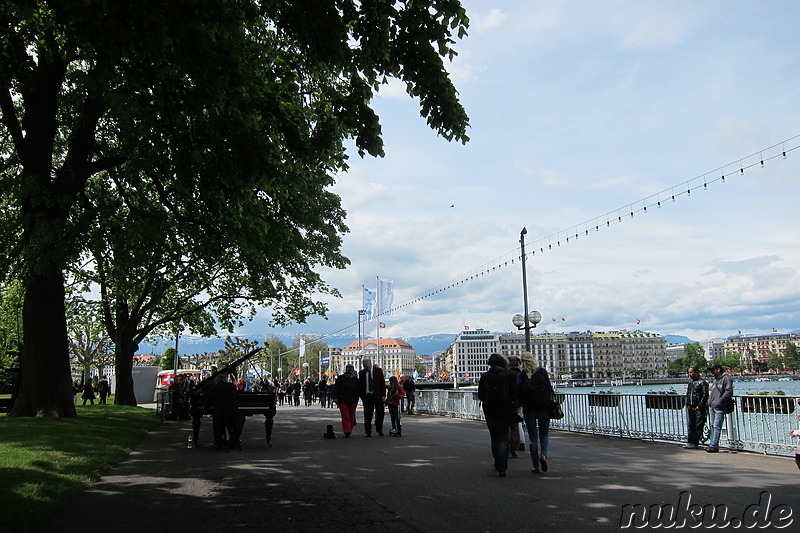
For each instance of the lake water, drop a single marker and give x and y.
(791, 388)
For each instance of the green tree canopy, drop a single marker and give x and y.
(730, 361)
(168, 359)
(220, 124)
(775, 361)
(11, 296)
(792, 356)
(695, 355)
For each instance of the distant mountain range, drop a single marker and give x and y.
(425, 345)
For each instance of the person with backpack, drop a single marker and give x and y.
(535, 394)
(497, 392)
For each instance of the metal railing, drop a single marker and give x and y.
(758, 424)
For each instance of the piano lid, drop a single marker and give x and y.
(226, 370)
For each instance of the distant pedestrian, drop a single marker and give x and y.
(536, 396)
(372, 389)
(296, 392)
(329, 391)
(394, 396)
(411, 394)
(281, 393)
(696, 408)
(497, 392)
(88, 392)
(308, 392)
(345, 392)
(103, 389)
(720, 401)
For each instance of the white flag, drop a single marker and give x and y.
(369, 303)
(302, 349)
(385, 296)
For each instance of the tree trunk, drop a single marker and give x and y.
(124, 350)
(45, 378)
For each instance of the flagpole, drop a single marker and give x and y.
(360, 314)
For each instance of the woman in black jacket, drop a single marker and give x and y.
(345, 392)
(88, 392)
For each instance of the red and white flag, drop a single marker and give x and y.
(296, 371)
(381, 324)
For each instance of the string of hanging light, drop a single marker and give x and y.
(719, 175)
(660, 199)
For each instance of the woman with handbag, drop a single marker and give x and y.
(535, 393)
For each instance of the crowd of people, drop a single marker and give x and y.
(91, 389)
(516, 389)
(343, 391)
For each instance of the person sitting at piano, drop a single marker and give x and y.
(224, 399)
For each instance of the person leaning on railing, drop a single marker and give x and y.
(721, 396)
(696, 408)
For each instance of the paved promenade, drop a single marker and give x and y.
(437, 477)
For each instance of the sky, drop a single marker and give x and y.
(582, 112)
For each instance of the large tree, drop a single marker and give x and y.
(89, 344)
(209, 108)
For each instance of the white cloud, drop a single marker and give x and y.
(483, 22)
(578, 109)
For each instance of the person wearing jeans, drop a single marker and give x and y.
(536, 394)
(719, 398)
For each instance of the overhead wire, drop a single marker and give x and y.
(604, 221)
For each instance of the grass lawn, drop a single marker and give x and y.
(46, 462)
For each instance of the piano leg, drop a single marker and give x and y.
(196, 420)
(237, 438)
(269, 420)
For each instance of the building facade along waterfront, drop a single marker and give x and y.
(395, 356)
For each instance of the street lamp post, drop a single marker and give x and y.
(534, 317)
(361, 313)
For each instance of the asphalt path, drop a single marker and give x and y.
(437, 477)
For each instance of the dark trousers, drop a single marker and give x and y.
(226, 426)
(373, 407)
(695, 422)
(498, 431)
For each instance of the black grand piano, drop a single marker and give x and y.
(249, 403)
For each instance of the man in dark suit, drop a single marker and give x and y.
(224, 399)
(372, 390)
